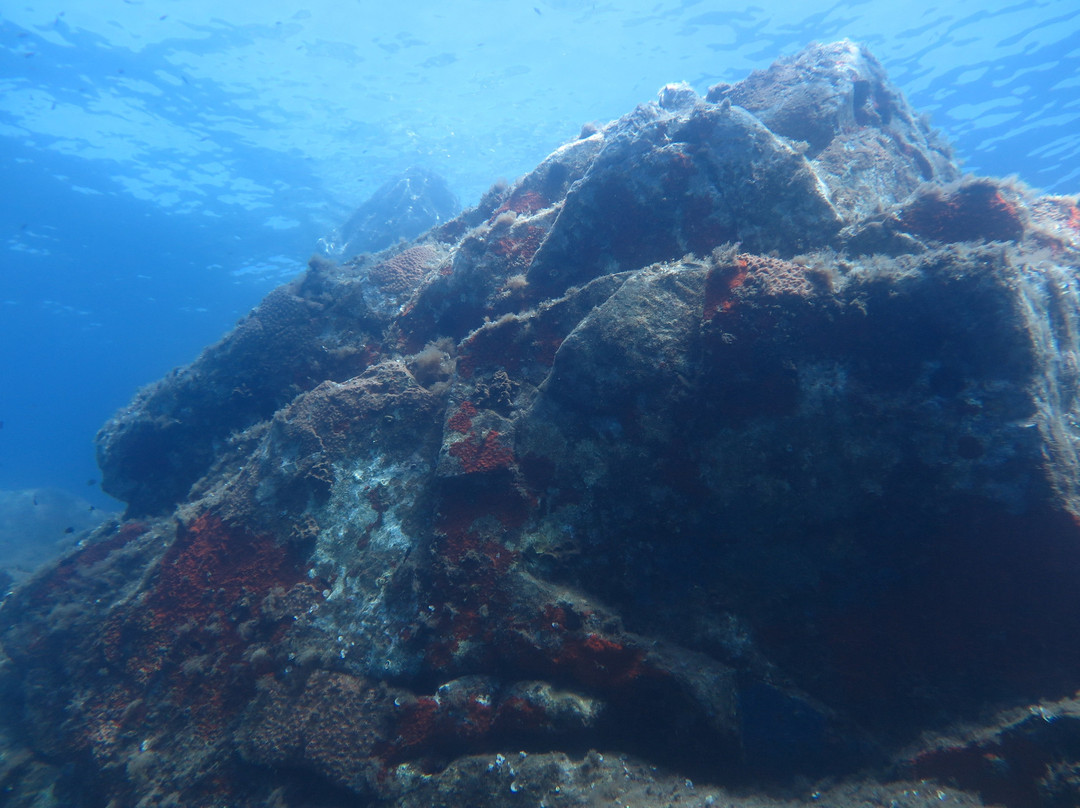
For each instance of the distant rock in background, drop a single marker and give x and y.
(38, 524)
(402, 208)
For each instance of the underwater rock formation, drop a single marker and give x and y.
(734, 445)
(400, 209)
(37, 525)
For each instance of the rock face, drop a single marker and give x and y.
(735, 443)
(401, 208)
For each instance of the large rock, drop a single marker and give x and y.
(704, 452)
(399, 210)
(39, 524)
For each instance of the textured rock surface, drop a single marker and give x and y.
(401, 208)
(733, 446)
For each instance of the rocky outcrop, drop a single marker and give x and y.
(400, 210)
(702, 454)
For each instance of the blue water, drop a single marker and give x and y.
(165, 164)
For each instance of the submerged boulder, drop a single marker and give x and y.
(702, 453)
(400, 210)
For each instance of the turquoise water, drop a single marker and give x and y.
(165, 164)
